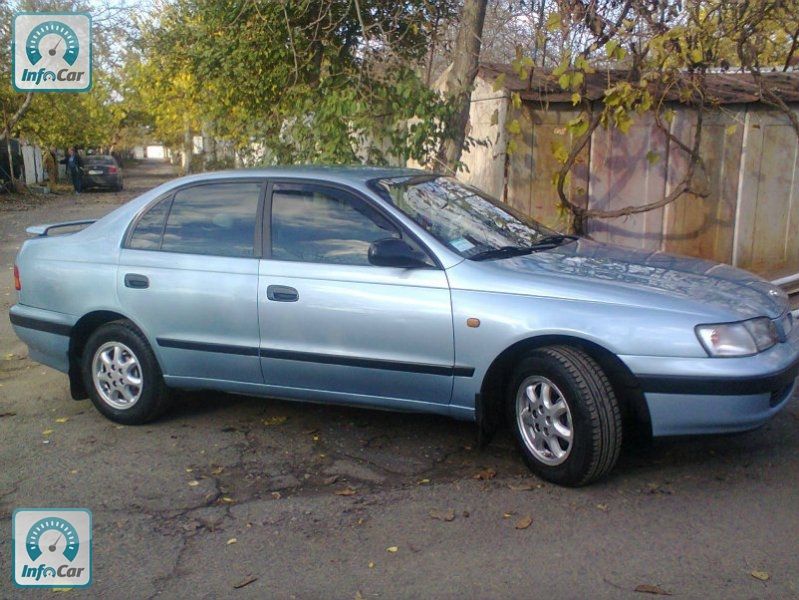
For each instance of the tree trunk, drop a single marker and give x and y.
(10, 123)
(461, 79)
(188, 148)
(11, 181)
(15, 118)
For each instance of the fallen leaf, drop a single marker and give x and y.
(227, 500)
(331, 480)
(62, 419)
(217, 470)
(507, 515)
(646, 588)
(189, 470)
(347, 491)
(522, 487)
(246, 581)
(760, 575)
(276, 495)
(194, 483)
(231, 541)
(443, 515)
(423, 481)
(524, 522)
(272, 421)
(73, 471)
(392, 549)
(602, 507)
(485, 474)
(47, 432)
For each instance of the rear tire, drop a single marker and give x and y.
(122, 375)
(564, 415)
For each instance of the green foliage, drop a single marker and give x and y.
(303, 81)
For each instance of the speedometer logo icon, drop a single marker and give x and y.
(59, 38)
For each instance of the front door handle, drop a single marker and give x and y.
(282, 293)
(136, 281)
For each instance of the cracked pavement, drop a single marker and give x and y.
(315, 495)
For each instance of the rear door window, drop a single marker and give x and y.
(217, 219)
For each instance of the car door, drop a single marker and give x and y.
(334, 326)
(188, 276)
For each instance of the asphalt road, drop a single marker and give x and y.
(311, 501)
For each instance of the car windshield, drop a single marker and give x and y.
(472, 224)
(100, 160)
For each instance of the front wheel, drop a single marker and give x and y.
(122, 375)
(565, 416)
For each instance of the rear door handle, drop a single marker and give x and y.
(282, 293)
(136, 281)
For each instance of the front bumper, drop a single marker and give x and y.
(687, 396)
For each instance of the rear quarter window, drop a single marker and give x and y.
(150, 228)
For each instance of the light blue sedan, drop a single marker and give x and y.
(402, 290)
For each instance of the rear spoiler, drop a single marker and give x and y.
(43, 230)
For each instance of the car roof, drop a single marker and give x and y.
(342, 174)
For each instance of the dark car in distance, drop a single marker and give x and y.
(102, 171)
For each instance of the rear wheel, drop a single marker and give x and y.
(122, 375)
(565, 416)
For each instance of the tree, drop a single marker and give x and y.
(461, 80)
(308, 81)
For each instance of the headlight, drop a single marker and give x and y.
(738, 339)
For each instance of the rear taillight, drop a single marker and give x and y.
(17, 282)
(112, 169)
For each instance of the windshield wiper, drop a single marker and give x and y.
(554, 240)
(545, 243)
(502, 252)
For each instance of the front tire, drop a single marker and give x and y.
(122, 376)
(564, 415)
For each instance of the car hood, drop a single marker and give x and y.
(706, 283)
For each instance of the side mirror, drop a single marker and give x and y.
(393, 252)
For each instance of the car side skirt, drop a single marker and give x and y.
(327, 359)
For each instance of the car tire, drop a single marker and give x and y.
(122, 375)
(564, 415)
